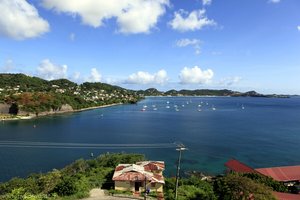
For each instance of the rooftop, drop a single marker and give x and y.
(140, 171)
(237, 166)
(286, 173)
(286, 196)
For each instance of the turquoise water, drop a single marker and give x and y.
(265, 133)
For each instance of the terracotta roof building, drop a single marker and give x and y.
(286, 196)
(237, 166)
(286, 174)
(283, 174)
(140, 176)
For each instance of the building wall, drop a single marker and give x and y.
(158, 187)
(129, 186)
(124, 186)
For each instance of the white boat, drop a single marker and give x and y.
(167, 106)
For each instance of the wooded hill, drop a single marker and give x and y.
(36, 95)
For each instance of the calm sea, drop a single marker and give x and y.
(262, 132)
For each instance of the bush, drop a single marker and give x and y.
(66, 187)
(189, 188)
(267, 181)
(235, 187)
(191, 192)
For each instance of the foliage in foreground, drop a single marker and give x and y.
(229, 187)
(72, 182)
(267, 181)
(75, 180)
(189, 188)
(236, 187)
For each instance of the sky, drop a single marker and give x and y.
(240, 45)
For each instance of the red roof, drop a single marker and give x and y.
(119, 168)
(130, 176)
(152, 166)
(288, 173)
(286, 196)
(141, 171)
(237, 166)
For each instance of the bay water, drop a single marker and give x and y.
(261, 132)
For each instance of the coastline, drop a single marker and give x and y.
(22, 117)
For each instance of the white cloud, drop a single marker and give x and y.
(195, 75)
(230, 81)
(195, 20)
(95, 76)
(72, 36)
(132, 16)
(20, 20)
(112, 81)
(50, 71)
(186, 42)
(141, 77)
(206, 2)
(195, 43)
(298, 27)
(274, 1)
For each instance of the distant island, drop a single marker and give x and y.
(23, 96)
(207, 92)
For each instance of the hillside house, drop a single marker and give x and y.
(140, 176)
(289, 175)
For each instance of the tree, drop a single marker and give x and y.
(14, 109)
(235, 187)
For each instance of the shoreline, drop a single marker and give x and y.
(22, 117)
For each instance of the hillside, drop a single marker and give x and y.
(27, 95)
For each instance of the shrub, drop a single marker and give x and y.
(235, 187)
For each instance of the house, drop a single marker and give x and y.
(239, 167)
(140, 176)
(289, 175)
(285, 174)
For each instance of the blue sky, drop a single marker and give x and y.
(193, 44)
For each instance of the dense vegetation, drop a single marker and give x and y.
(32, 95)
(72, 182)
(75, 180)
(35, 95)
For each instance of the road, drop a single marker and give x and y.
(98, 194)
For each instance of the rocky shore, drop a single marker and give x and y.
(5, 112)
